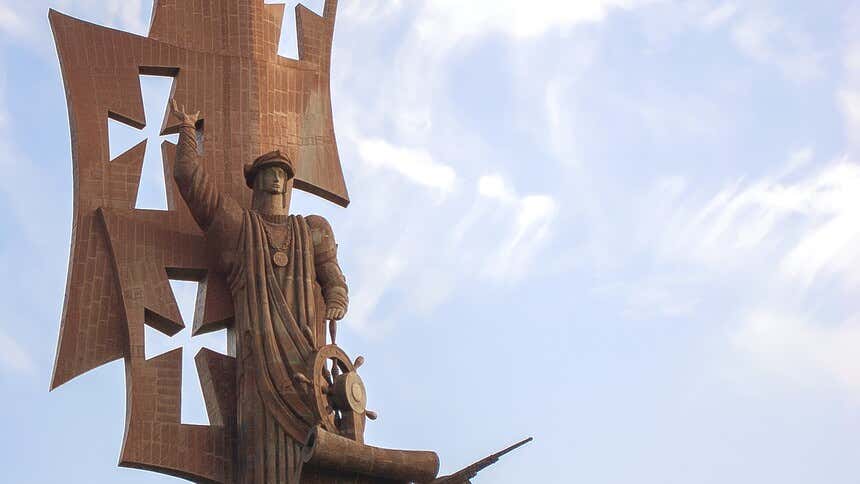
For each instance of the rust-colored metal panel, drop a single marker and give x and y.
(222, 55)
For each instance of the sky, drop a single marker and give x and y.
(628, 228)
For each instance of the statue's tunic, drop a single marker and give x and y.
(279, 314)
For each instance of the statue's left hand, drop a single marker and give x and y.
(335, 313)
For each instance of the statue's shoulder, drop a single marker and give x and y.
(317, 222)
(320, 229)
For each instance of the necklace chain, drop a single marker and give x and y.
(285, 243)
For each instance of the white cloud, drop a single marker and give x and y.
(809, 228)
(13, 356)
(25, 22)
(801, 349)
(787, 244)
(127, 13)
(803, 219)
(124, 14)
(378, 273)
(405, 260)
(451, 20)
(798, 159)
(490, 232)
(661, 296)
(533, 217)
(560, 132)
(363, 11)
(849, 103)
(11, 23)
(768, 38)
(480, 228)
(22, 200)
(495, 186)
(439, 34)
(719, 15)
(416, 165)
(830, 245)
(848, 95)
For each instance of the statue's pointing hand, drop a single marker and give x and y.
(181, 115)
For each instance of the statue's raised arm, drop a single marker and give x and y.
(215, 213)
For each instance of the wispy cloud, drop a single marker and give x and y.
(22, 200)
(801, 348)
(11, 22)
(849, 102)
(831, 245)
(431, 247)
(787, 216)
(532, 216)
(763, 31)
(368, 10)
(125, 14)
(848, 94)
(459, 217)
(416, 165)
(767, 37)
(13, 356)
(452, 20)
(790, 241)
(377, 274)
(663, 295)
(24, 22)
(719, 14)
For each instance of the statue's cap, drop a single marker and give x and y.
(271, 158)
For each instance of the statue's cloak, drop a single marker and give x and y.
(277, 315)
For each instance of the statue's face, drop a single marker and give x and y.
(272, 179)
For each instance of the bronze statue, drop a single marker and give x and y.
(286, 404)
(284, 277)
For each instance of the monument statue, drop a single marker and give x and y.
(286, 404)
(284, 277)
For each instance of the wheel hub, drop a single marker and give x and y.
(348, 393)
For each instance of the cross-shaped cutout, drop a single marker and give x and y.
(157, 343)
(152, 193)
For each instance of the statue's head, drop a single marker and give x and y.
(270, 176)
(270, 173)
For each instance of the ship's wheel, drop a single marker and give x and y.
(338, 392)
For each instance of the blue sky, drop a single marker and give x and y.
(629, 228)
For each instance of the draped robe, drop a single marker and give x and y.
(279, 315)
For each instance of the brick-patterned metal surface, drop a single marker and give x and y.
(222, 55)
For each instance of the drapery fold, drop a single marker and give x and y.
(275, 312)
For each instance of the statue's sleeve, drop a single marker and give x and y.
(329, 274)
(215, 213)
